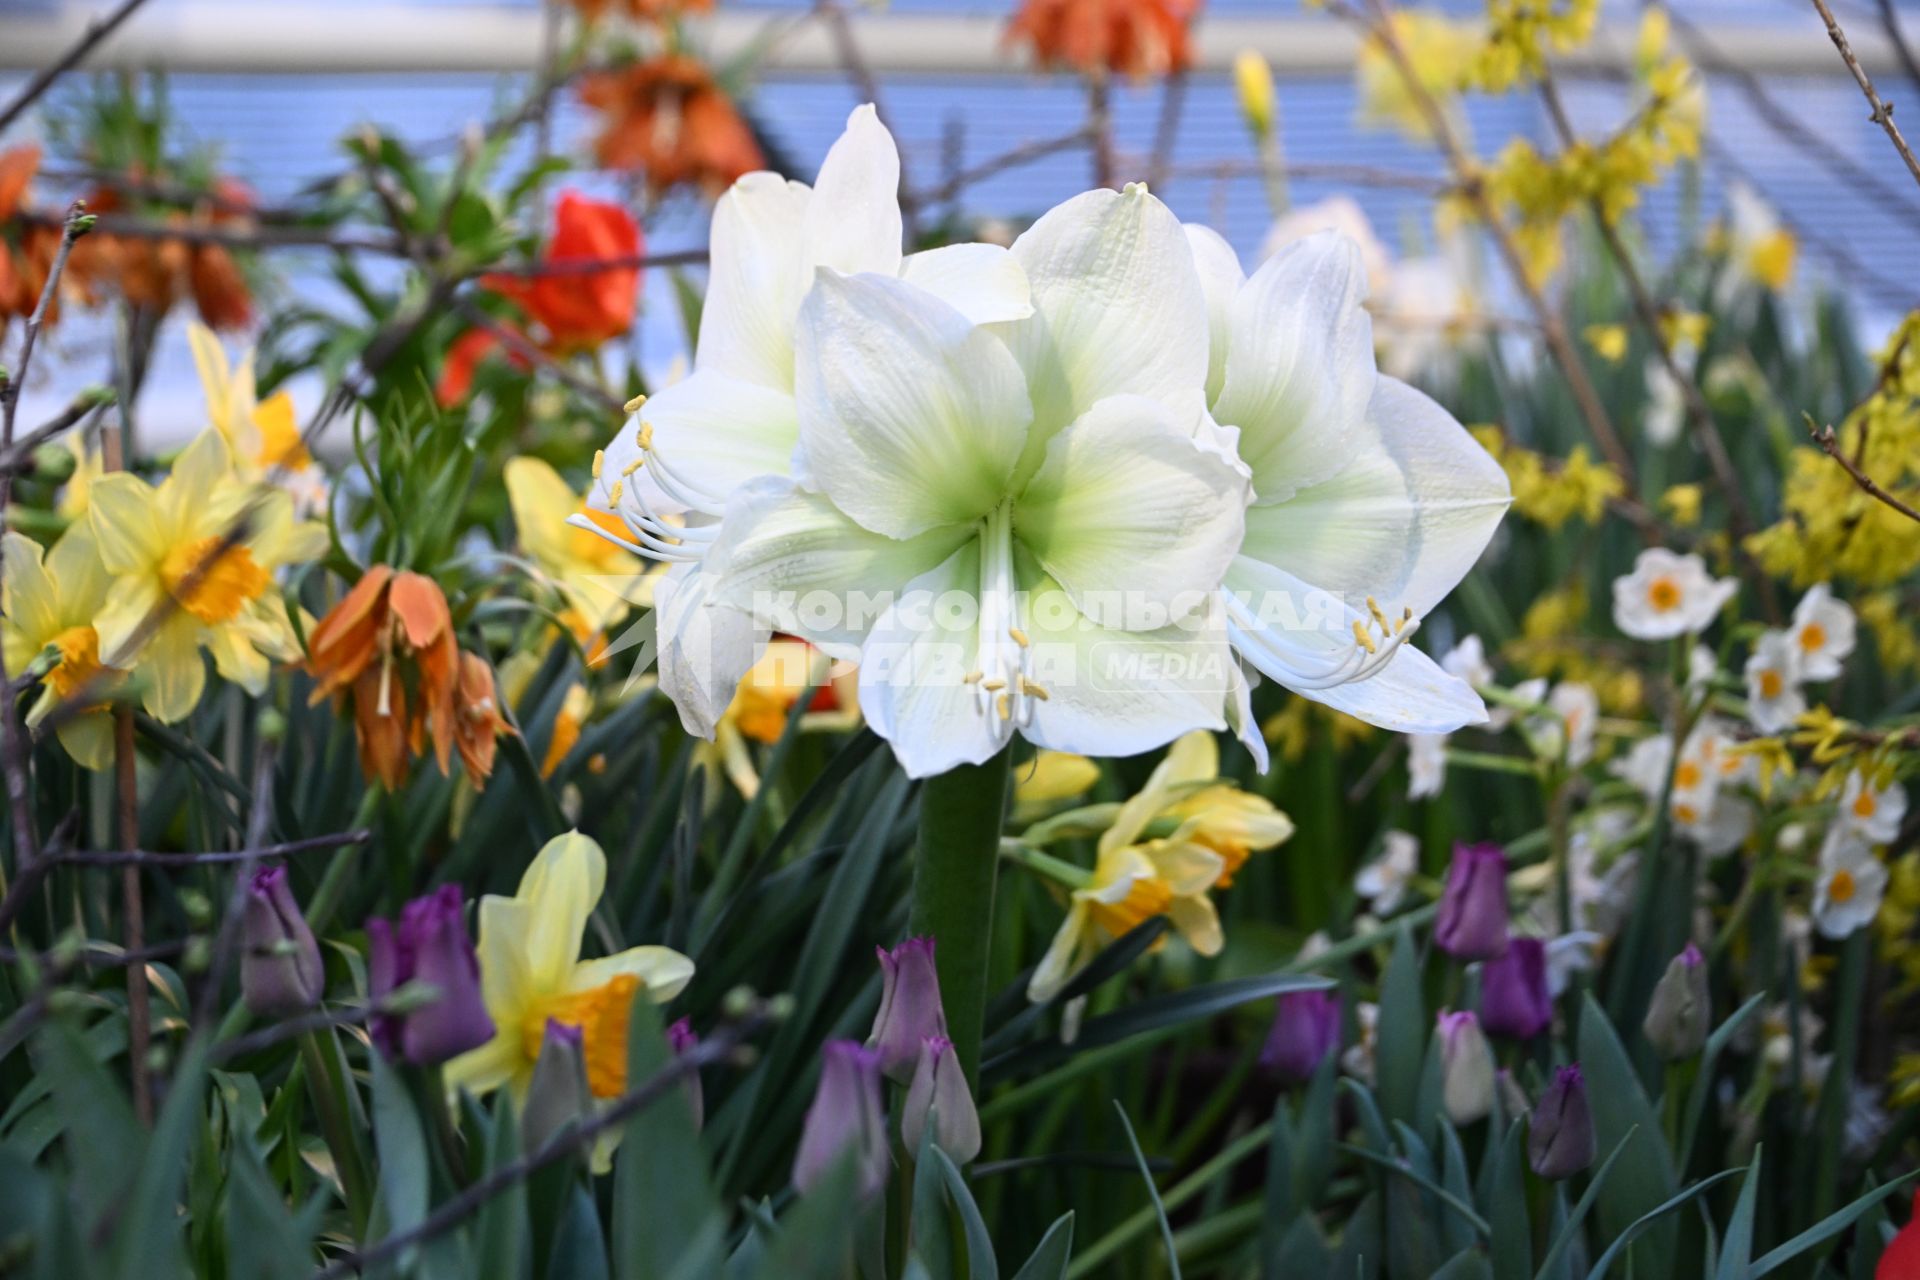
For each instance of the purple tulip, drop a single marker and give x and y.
(558, 1094)
(1560, 1135)
(682, 1041)
(1306, 1031)
(910, 1008)
(1472, 924)
(939, 1090)
(280, 968)
(1514, 1000)
(845, 1119)
(429, 944)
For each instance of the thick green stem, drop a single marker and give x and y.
(953, 876)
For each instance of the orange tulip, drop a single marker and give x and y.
(1136, 38)
(668, 119)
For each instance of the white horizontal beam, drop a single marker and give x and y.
(302, 37)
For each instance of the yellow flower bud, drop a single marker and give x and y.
(1253, 79)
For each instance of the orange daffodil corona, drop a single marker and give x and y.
(1211, 827)
(1119, 461)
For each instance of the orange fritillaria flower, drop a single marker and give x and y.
(666, 118)
(641, 10)
(478, 722)
(159, 273)
(26, 252)
(579, 309)
(1136, 38)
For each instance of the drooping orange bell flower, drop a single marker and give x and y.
(641, 10)
(478, 721)
(389, 647)
(159, 273)
(27, 251)
(1134, 38)
(579, 309)
(667, 119)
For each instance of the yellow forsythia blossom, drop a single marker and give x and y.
(1551, 492)
(1438, 48)
(1682, 503)
(1609, 341)
(1521, 33)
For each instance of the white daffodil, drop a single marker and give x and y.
(1384, 881)
(1426, 764)
(1565, 728)
(1774, 698)
(1823, 632)
(1668, 595)
(669, 472)
(1702, 666)
(1366, 492)
(1704, 805)
(1851, 884)
(1037, 515)
(1874, 812)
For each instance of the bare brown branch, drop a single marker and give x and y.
(1882, 111)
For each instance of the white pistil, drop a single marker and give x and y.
(1005, 653)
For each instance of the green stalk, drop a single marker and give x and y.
(953, 876)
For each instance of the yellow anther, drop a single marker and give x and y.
(645, 438)
(1005, 705)
(1373, 608)
(1035, 688)
(1362, 638)
(1019, 637)
(633, 405)
(974, 677)
(994, 685)
(613, 494)
(633, 466)
(599, 456)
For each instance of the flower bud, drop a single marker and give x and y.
(682, 1041)
(910, 1008)
(1472, 924)
(1560, 1135)
(1681, 1008)
(939, 1090)
(429, 944)
(1514, 1000)
(280, 968)
(1306, 1029)
(558, 1094)
(1253, 79)
(845, 1119)
(1466, 1068)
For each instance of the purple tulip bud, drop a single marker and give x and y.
(1466, 1068)
(559, 1094)
(1681, 1009)
(280, 968)
(1514, 1000)
(1472, 924)
(430, 944)
(682, 1041)
(939, 1089)
(1560, 1135)
(846, 1119)
(910, 1009)
(1306, 1030)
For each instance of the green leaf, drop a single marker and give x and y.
(981, 1264)
(1504, 1192)
(1646, 1172)
(1563, 1240)
(502, 1228)
(1049, 1259)
(1403, 1033)
(579, 1249)
(1827, 1228)
(1313, 1131)
(1704, 1077)
(1405, 1170)
(1736, 1247)
(1153, 1192)
(1468, 1264)
(405, 1175)
(262, 1240)
(1281, 1208)
(103, 1140)
(928, 1233)
(148, 1231)
(1302, 1251)
(667, 1219)
(816, 1237)
(1626, 1238)
(1453, 1229)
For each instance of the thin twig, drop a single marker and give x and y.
(1890, 23)
(19, 457)
(1359, 175)
(1166, 133)
(1024, 154)
(593, 266)
(1378, 24)
(96, 32)
(1824, 437)
(286, 849)
(1100, 125)
(1699, 414)
(1882, 111)
(231, 235)
(519, 344)
(867, 86)
(718, 1047)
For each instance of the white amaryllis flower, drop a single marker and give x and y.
(1823, 632)
(1875, 812)
(669, 472)
(1851, 883)
(1039, 513)
(1668, 595)
(1774, 698)
(1370, 501)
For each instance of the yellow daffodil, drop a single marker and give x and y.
(531, 971)
(1210, 828)
(168, 544)
(764, 700)
(584, 567)
(576, 705)
(88, 466)
(1051, 779)
(263, 436)
(50, 602)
